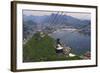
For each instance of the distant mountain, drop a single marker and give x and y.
(57, 19)
(37, 19)
(52, 22)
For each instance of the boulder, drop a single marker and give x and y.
(66, 50)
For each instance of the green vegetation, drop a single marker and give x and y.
(42, 49)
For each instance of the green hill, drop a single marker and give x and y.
(41, 49)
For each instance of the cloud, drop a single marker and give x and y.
(37, 13)
(80, 15)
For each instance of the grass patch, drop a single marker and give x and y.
(39, 49)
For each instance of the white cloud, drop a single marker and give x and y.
(37, 13)
(80, 15)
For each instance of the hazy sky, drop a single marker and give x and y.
(73, 14)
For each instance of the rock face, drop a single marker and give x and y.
(66, 50)
(87, 55)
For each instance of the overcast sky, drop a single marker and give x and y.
(73, 14)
